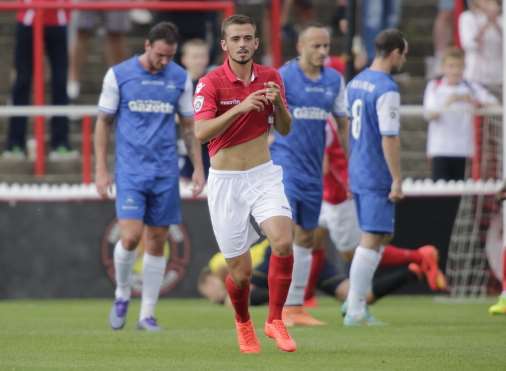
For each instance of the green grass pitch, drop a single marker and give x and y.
(422, 334)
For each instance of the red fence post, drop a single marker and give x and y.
(38, 88)
(229, 10)
(86, 149)
(276, 33)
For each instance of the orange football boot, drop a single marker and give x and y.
(297, 316)
(435, 278)
(247, 337)
(276, 330)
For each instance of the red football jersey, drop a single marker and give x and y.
(52, 17)
(335, 181)
(220, 90)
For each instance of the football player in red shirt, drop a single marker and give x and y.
(235, 105)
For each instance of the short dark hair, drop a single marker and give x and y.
(165, 31)
(237, 19)
(312, 24)
(389, 40)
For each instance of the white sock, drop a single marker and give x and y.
(302, 258)
(153, 270)
(364, 264)
(123, 263)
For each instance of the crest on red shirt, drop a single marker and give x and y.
(198, 102)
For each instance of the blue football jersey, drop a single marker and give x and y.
(310, 102)
(373, 102)
(145, 105)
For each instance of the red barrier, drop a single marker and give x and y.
(86, 149)
(275, 35)
(38, 90)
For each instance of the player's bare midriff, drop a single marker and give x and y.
(243, 156)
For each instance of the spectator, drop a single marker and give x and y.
(55, 41)
(449, 103)
(377, 16)
(442, 33)
(195, 58)
(480, 31)
(116, 23)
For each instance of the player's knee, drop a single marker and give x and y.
(282, 245)
(242, 277)
(130, 241)
(305, 240)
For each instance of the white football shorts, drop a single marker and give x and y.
(233, 196)
(342, 223)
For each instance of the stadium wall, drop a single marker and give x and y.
(55, 249)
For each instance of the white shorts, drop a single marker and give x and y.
(235, 195)
(342, 222)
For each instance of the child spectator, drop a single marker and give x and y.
(449, 103)
(195, 55)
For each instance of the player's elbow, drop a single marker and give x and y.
(200, 133)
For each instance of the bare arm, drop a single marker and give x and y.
(103, 179)
(190, 141)
(205, 130)
(343, 130)
(194, 151)
(391, 149)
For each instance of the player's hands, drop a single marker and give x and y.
(273, 94)
(256, 101)
(451, 99)
(199, 181)
(103, 182)
(396, 194)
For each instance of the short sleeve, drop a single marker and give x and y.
(387, 108)
(204, 102)
(109, 97)
(430, 101)
(340, 102)
(185, 107)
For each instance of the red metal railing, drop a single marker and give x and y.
(225, 6)
(86, 149)
(277, 58)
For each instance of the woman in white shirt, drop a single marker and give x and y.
(480, 32)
